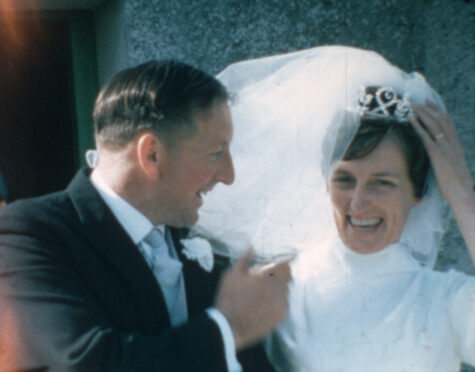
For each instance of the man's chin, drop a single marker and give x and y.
(183, 225)
(190, 222)
(184, 220)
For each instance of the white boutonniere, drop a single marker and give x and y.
(199, 249)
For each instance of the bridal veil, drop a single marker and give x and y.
(294, 115)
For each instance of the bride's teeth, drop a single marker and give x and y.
(358, 222)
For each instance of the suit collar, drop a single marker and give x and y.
(199, 284)
(108, 237)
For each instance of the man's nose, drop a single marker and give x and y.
(226, 172)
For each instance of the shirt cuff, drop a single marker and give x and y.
(228, 339)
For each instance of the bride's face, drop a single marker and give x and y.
(372, 197)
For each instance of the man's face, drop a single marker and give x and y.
(196, 165)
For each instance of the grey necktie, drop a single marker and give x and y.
(167, 271)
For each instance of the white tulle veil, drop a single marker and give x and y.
(287, 111)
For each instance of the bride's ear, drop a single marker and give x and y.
(150, 154)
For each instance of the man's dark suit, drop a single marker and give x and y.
(86, 299)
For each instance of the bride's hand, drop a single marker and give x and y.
(445, 151)
(451, 170)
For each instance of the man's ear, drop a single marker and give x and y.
(150, 153)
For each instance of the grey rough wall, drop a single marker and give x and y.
(430, 36)
(448, 40)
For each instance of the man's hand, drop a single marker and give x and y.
(253, 299)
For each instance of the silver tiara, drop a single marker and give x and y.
(384, 102)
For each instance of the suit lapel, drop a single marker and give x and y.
(107, 236)
(199, 284)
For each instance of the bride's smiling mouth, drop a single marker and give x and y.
(364, 225)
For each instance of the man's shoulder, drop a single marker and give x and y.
(38, 222)
(41, 207)
(56, 207)
(32, 229)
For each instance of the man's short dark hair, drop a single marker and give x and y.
(160, 96)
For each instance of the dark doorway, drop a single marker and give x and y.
(37, 141)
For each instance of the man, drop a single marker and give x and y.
(95, 277)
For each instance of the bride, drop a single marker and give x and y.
(345, 160)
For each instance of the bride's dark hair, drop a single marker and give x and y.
(373, 130)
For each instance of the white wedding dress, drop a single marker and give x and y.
(384, 312)
(381, 312)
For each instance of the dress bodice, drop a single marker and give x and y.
(378, 312)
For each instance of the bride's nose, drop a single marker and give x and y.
(360, 199)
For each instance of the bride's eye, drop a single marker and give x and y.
(384, 183)
(343, 180)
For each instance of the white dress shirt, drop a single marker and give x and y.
(137, 227)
